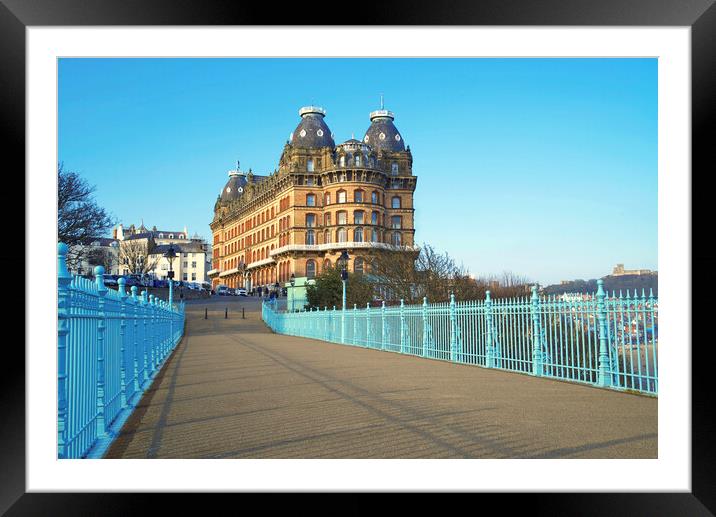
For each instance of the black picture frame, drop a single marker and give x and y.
(699, 15)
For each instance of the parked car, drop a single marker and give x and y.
(241, 291)
(232, 291)
(222, 290)
(193, 286)
(206, 286)
(133, 280)
(110, 280)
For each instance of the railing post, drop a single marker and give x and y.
(402, 326)
(367, 325)
(135, 302)
(64, 278)
(426, 337)
(537, 345)
(145, 336)
(122, 283)
(489, 338)
(355, 322)
(383, 336)
(453, 329)
(102, 291)
(152, 334)
(605, 379)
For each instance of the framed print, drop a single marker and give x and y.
(211, 323)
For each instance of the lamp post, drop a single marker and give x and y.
(343, 261)
(170, 255)
(293, 283)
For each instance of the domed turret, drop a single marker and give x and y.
(312, 132)
(234, 188)
(382, 135)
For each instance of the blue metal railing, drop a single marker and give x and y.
(110, 344)
(603, 339)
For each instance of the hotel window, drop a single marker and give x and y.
(342, 161)
(341, 196)
(309, 181)
(396, 239)
(374, 197)
(358, 235)
(342, 217)
(309, 166)
(310, 220)
(193, 264)
(358, 265)
(310, 200)
(327, 236)
(374, 235)
(395, 202)
(327, 199)
(311, 268)
(394, 169)
(358, 196)
(310, 237)
(358, 217)
(357, 160)
(374, 218)
(342, 235)
(396, 222)
(342, 176)
(326, 219)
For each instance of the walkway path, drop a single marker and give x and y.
(233, 389)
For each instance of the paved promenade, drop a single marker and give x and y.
(233, 389)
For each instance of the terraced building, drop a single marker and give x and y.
(322, 199)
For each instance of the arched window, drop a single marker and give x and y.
(395, 202)
(374, 218)
(358, 235)
(394, 169)
(327, 199)
(327, 219)
(358, 265)
(396, 239)
(358, 196)
(374, 235)
(396, 222)
(357, 160)
(327, 237)
(342, 235)
(310, 220)
(342, 161)
(310, 237)
(342, 217)
(341, 196)
(358, 217)
(310, 200)
(309, 165)
(311, 268)
(374, 197)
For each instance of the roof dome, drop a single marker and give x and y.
(382, 135)
(234, 188)
(312, 132)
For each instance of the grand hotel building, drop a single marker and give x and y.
(323, 198)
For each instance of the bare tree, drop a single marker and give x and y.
(102, 257)
(136, 255)
(79, 218)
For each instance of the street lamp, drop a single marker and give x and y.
(343, 261)
(170, 255)
(293, 283)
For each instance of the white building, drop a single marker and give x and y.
(193, 254)
(97, 251)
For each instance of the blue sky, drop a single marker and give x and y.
(543, 167)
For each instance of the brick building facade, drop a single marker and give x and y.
(323, 198)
